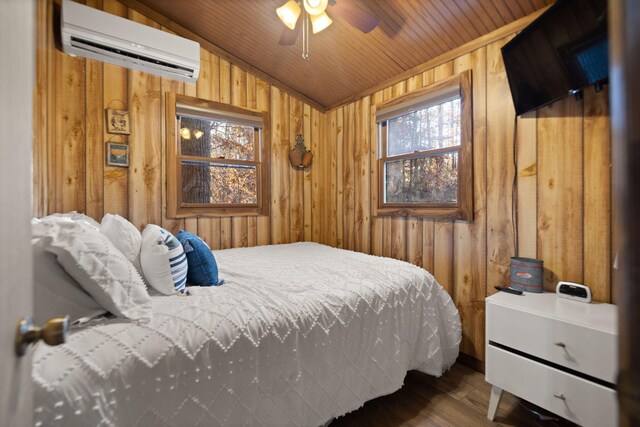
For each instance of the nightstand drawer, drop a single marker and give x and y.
(573, 398)
(587, 350)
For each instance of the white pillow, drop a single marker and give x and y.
(101, 269)
(56, 293)
(75, 216)
(124, 236)
(163, 260)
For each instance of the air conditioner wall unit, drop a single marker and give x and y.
(98, 35)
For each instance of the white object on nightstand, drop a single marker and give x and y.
(574, 291)
(558, 354)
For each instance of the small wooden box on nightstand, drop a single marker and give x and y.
(558, 354)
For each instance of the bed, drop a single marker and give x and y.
(298, 334)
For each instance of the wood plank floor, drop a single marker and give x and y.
(458, 399)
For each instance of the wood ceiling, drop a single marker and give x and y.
(343, 61)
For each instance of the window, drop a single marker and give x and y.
(217, 159)
(425, 155)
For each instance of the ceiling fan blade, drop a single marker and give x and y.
(353, 14)
(289, 37)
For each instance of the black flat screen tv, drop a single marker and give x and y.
(560, 53)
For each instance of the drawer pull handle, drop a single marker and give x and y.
(560, 344)
(560, 396)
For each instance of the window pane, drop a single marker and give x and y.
(432, 179)
(215, 139)
(216, 183)
(436, 126)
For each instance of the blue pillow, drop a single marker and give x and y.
(203, 269)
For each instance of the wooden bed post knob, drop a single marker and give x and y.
(54, 332)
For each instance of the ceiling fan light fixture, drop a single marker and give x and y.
(320, 22)
(289, 13)
(315, 7)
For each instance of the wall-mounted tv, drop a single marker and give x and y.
(560, 53)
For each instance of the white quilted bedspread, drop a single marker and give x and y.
(298, 334)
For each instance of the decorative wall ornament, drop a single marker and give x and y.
(299, 156)
(117, 154)
(118, 120)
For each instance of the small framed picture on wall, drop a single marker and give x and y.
(117, 154)
(118, 121)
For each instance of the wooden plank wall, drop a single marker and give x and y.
(69, 149)
(561, 157)
(562, 198)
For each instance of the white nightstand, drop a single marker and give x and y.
(558, 354)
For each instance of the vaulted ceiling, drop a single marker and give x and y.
(343, 61)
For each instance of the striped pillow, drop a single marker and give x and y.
(164, 263)
(177, 260)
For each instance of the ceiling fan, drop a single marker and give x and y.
(316, 12)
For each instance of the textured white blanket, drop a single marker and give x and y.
(298, 334)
